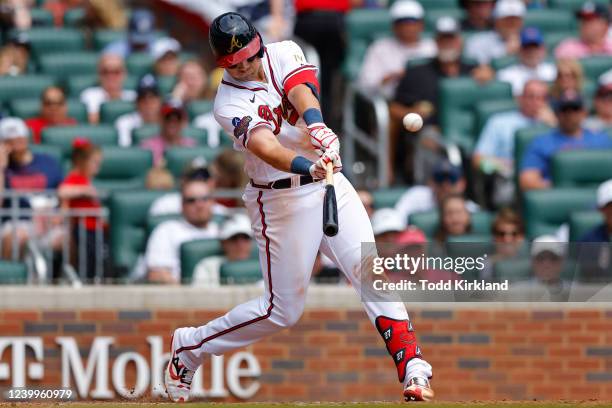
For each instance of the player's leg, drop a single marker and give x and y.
(288, 242)
(389, 317)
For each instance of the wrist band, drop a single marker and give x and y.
(312, 115)
(301, 165)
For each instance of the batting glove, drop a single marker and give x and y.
(318, 169)
(323, 138)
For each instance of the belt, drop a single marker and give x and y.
(285, 183)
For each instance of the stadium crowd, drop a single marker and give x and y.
(103, 109)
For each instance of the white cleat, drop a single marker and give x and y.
(177, 377)
(418, 389)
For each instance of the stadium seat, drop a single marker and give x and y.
(24, 86)
(503, 62)
(522, 139)
(78, 83)
(193, 252)
(67, 64)
(428, 221)
(545, 210)
(571, 5)
(485, 110)
(30, 107)
(102, 38)
(62, 136)
(139, 63)
(594, 66)
(199, 107)
(581, 222)
(166, 84)
(148, 131)
(123, 168)
(155, 220)
(549, 20)
(581, 168)
(41, 17)
(240, 272)
(110, 111)
(458, 97)
(365, 24)
(354, 58)
(13, 273)
(552, 39)
(48, 40)
(513, 270)
(128, 217)
(74, 17)
(49, 150)
(178, 158)
(387, 197)
(438, 4)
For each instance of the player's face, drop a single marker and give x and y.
(246, 70)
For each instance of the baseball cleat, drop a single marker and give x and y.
(418, 389)
(177, 377)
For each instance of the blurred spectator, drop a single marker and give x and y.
(535, 167)
(148, 106)
(22, 170)
(15, 56)
(455, 219)
(191, 83)
(228, 172)
(174, 120)
(60, 7)
(140, 36)
(445, 180)
(569, 78)
(159, 178)
(111, 74)
(602, 232)
(505, 40)
(385, 60)
(603, 105)
(166, 51)
(272, 18)
(162, 255)
(387, 224)
(418, 92)
(105, 14)
(508, 231)
(15, 14)
(236, 242)
(77, 192)
(53, 112)
(594, 39)
(478, 15)
(531, 65)
(367, 200)
(494, 152)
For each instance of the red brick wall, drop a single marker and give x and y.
(337, 355)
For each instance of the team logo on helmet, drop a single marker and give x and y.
(234, 43)
(241, 125)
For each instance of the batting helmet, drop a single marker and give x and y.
(233, 39)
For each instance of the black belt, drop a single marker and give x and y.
(284, 183)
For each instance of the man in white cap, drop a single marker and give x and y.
(386, 58)
(603, 232)
(387, 224)
(166, 51)
(505, 40)
(20, 169)
(236, 242)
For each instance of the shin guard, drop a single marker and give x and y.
(400, 341)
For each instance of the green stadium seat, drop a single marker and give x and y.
(513, 270)
(354, 57)
(581, 222)
(571, 5)
(62, 136)
(166, 84)
(240, 272)
(549, 20)
(387, 197)
(41, 17)
(24, 86)
(503, 62)
(364, 24)
(485, 110)
(594, 66)
(13, 273)
(128, 218)
(522, 139)
(74, 17)
(30, 107)
(428, 221)
(193, 252)
(199, 107)
(552, 39)
(78, 83)
(67, 64)
(545, 210)
(178, 158)
(148, 131)
(154, 221)
(49, 150)
(140, 63)
(102, 38)
(49, 40)
(438, 4)
(581, 168)
(458, 98)
(110, 111)
(123, 168)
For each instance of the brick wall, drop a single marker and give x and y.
(337, 355)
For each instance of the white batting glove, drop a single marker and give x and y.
(318, 169)
(323, 138)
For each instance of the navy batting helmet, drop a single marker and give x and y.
(233, 39)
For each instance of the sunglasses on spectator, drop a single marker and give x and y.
(193, 200)
(53, 102)
(501, 233)
(570, 109)
(111, 71)
(547, 256)
(250, 59)
(441, 178)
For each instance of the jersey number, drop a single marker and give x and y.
(284, 111)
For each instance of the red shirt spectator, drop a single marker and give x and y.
(53, 112)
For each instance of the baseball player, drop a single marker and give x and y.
(268, 101)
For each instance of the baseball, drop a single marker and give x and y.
(413, 122)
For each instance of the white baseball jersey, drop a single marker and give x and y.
(243, 106)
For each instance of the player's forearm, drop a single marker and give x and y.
(302, 98)
(263, 144)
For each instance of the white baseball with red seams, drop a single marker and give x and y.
(286, 223)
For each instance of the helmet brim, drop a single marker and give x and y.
(251, 49)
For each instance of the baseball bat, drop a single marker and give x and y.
(330, 207)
